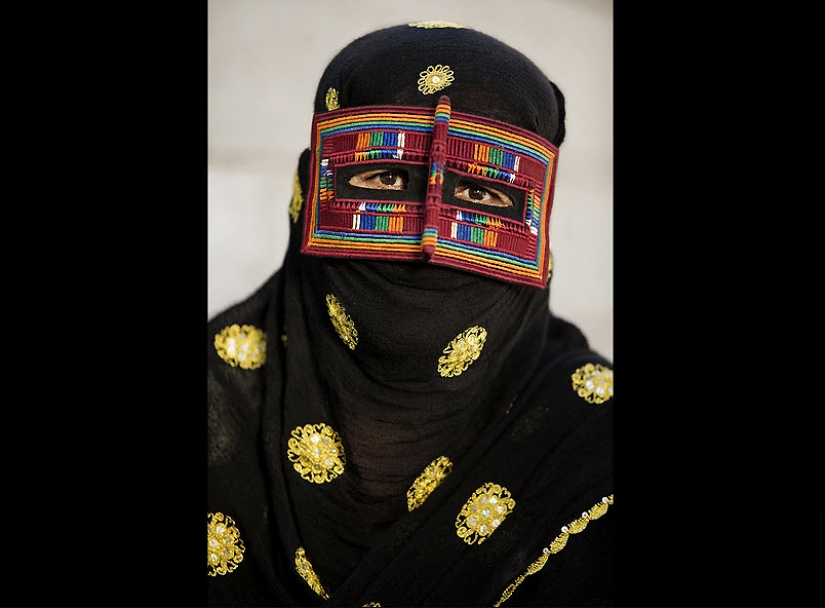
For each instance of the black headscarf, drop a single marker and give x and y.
(491, 79)
(353, 347)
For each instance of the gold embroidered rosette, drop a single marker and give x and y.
(297, 198)
(241, 346)
(462, 351)
(331, 99)
(429, 480)
(435, 78)
(316, 452)
(593, 383)
(483, 513)
(224, 547)
(342, 322)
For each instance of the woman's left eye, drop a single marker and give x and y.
(474, 193)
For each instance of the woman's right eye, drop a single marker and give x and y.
(380, 179)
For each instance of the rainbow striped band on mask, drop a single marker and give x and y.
(436, 228)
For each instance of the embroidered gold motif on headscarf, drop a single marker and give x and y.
(241, 345)
(342, 322)
(429, 480)
(224, 547)
(483, 513)
(307, 572)
(431, 24)
(316, 452)
(462, 351)
(574, 527)
(372, 605)
(593, 383)
(332, 99)
(297, 199)
(435, 78)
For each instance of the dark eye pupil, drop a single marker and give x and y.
(477, 193)
(388, 178)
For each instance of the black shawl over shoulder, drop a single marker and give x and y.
(530, 420)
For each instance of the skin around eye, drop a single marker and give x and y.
(380, 179)
(484, 195)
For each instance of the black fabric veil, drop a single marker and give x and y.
(338, 359)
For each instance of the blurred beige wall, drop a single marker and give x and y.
(265, 58)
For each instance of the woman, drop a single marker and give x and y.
(396, 417)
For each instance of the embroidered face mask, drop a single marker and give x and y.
(444, 187)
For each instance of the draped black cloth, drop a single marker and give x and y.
(352, 347)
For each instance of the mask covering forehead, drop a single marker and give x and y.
(441, 151)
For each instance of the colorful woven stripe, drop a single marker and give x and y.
(429, 238)
(491, 172)
(409, 229)
(442, 111)
(495, 156)
(533, 212)
(472, 234)
(386, 223)
(436, 174)
(389, 144)
(325, 182)
(438, 152)
(478, 218)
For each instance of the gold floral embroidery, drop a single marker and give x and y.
(307, 572)
(316, 452)
(342, 322)
(372, 605)
(332, 99)
(574, 527)
(224, 547)
(429, 480)
(462, 351)
(241, 345)
(483, 513)
(435, 78)
(593, 383)
(297, 199)
(431, 24)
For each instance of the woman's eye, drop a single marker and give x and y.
(485, 196)
(380, 179)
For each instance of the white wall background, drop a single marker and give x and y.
(265, 58)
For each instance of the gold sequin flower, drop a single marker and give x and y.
(342, 322)
(483, 513)
(332, 99)
(429, 480)
(224, 547)
(316, 452)
(435, 78)
(241, 345)
(307, 572)
(462, 351)
(436, 24)
(593, 383)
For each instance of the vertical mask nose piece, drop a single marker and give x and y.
(438, 152)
